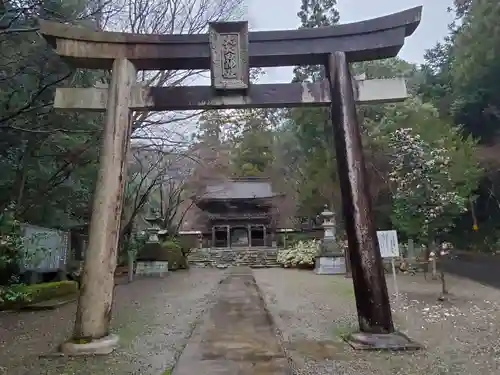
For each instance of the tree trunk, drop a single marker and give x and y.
(347, 264)
(130, 261)
(444, 290)
(124, 240)
(97, 284)
(433, 249)
(434, 269)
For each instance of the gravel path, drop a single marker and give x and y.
(462, 336)
(154, 318)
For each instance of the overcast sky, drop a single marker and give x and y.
(282, 14)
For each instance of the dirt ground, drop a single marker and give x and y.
(154, 318)
(461, 336)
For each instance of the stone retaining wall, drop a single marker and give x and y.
(254, 257)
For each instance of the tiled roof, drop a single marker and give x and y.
(243, 189)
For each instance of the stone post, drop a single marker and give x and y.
(212, 245)
(330, 260)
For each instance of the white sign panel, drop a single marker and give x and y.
(388, 243)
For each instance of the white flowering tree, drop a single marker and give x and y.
(426, 196)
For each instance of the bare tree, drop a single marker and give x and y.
(146, 169)
(157, 178)
(164, 17)
(169, 17)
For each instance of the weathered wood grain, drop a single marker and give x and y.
(372, 39)
(204, 97)
(96, 295)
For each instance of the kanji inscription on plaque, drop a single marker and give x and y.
(229, 55)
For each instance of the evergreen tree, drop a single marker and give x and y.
(311, 125)
(313, 14)
(475, 73)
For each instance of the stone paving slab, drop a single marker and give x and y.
(237, 336)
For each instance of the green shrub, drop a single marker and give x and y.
(169, 251)
(12, 294)
(188, 242)
(19, 294)
(152, 252)
(172, 244)
(46, 291)
(11, 245)
(176, 258)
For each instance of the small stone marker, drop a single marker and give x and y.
(151, 268)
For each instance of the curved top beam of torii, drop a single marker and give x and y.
(373, 39)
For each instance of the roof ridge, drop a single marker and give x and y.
(244, 179)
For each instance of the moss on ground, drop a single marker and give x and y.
(130, 325)
(341, 331)
(130, 332)
(343, 287)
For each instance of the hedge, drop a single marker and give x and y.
(168, 251)
(41, 292)
(53, 290)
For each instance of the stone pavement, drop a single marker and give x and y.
(237, 336)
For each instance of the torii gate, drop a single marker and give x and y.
(229, 50)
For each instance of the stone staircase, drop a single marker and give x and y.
(255, 257)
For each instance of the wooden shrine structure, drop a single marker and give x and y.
(240, 213)
(229, 50)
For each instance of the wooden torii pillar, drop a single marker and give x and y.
(229, 50)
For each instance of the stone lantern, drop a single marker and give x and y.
(330, 260)
(152, 260)
(154, 227)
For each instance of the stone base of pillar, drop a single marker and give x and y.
(330, 265)
(103, 346)
(396, 341)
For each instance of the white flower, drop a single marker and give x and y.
(302, 253)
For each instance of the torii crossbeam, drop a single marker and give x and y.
(229, 51)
